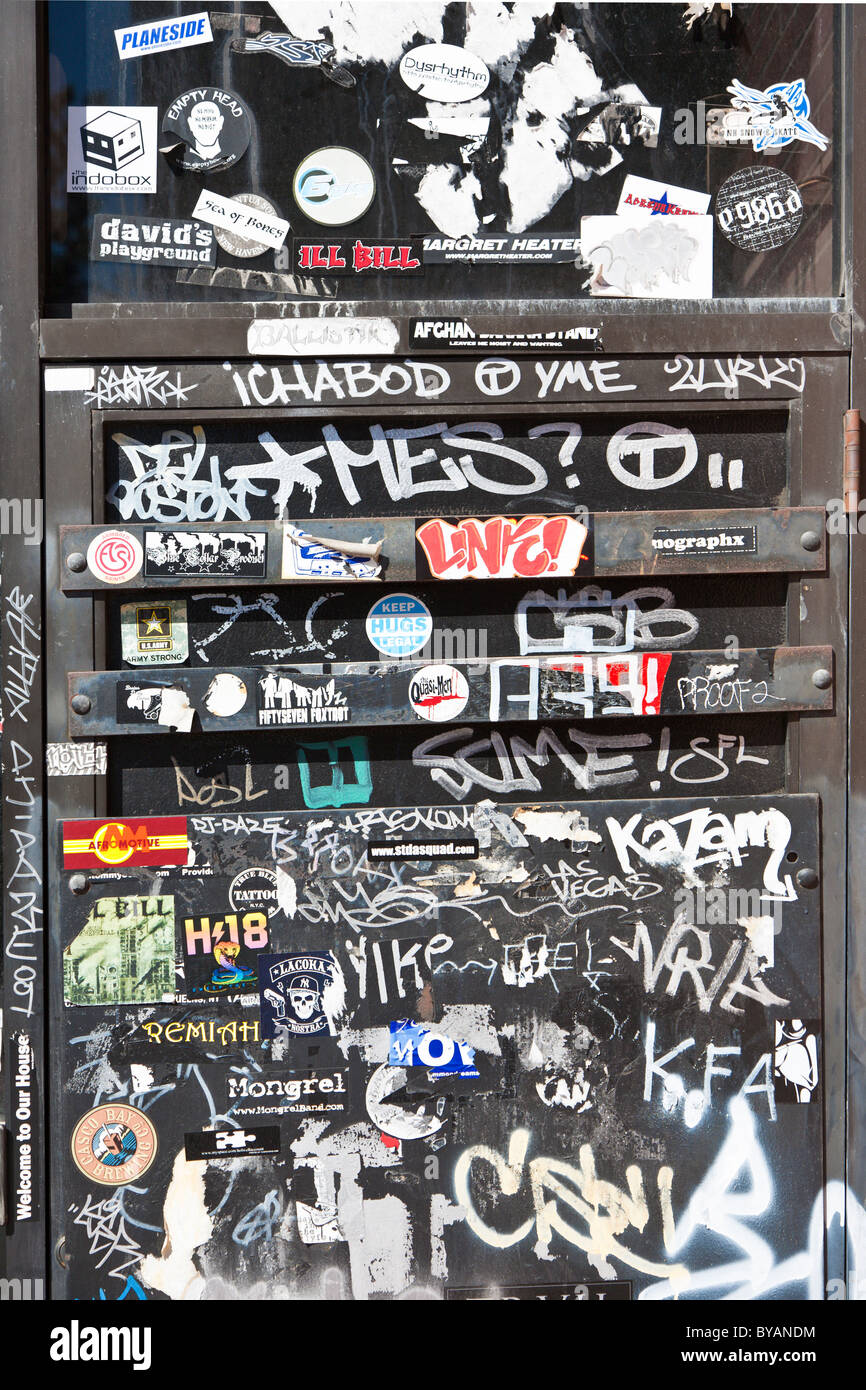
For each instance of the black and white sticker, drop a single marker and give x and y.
(704, 540)
(245, 1142)
(145, 703)
(796, 1069)
(459, 333)
(151, 241)
(205, 130)
(111, 149)
(386, 851)
(759, 208)
(283, 700)
(202, 554)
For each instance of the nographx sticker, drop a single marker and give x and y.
(154, 634)
(301, 995)
(232, 1143)
(205, 130)
(705, 540)
(220, 953)
(206, 554)
(796, 1074)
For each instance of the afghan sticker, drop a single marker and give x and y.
(501, 547)
(444, 72)
(438, 693)
(282, 700)
(357, 257)
(460, 333)
(237, 243)
(759, 209)
(796, 1073)
(536, 249)
(774, 116)
(608, 1291)
(661, 199)
(205, 130)
(110, 844)
(254, 890)
(205, 554)
(114, 1144)
(139, 39)
(111, 149)
(301, 995)
(386, 851)
(219, 952)
(154, 634)
(304, 1093)
(721, 540)
(141, 703)
(416, 1045)
(317, 557)
(151, 241)
(399, 625)
(124, 954)
(250, 223)
(232, 1143)
(115, 556)
(334, 186)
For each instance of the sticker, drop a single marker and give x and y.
(621, 123)
(609, 1291)
(459, 333)
(416, 1121)
(348, 257)
(101, 844)
(661, 199)
(114, 1144)
(307, 1093)
(246, 247)
(644, 257)
(154, 634)
(298, 53)
(318, 557)
(115, 556)
(444, 72)
(334, 186)
(139, 39)
(111, 149)
(248, 222)
(386, 850)
(205, 130)
(154, 704)
(76, 759)
(399, 625)
(313, 336)
(776, 115)
(318, 1225)
(795, 1060)
(537, 249)
(416, 1045)
(300, 994)
(218, 953)
(226, 695)
(438, 693)
(254, 890)
(151, 241)
(124, 954)
(179, 1034)
(232, 1143)
(283, 700)
(206, 554)
(738, 540)
(501, 547)
(759, 209)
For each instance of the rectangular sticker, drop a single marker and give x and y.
(151, 241)
(130, 843)
(416, 1045)
(609, 1291)
(459, 333)
(220, 953)
(141, 703)
(138, 39)
(502, 547)
(796, 1068)
(281, 699)
(232, 1143)
(314, 557)
(76, 759)
(537, 248)
(661, 199)
(301, 994)
(124, 954)
(705, 540)
(384, 851)
(300, 1094)
(206, 554)
(356, 257)
(238, 217)
(313, 336)
(154, 634)
(111, 149)
(638, 256)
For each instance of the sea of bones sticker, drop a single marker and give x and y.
(759, 208)
(115, 556)
(137, 843)
(138, 39)
(399, 625)
(243, 238)
(140, 703)
(284, 700)
(776, 115)
(206, 554)
(317, 557)
(124, 954)
(302, 995)
(205, 130)
(154, 634)
(334, 186)
(114, 1144)
(795, 1060)
(244, 1142)
(438, 693)
(151, 241)
(220, 952)
(111, 149)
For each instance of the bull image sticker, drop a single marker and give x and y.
(206, 554)
(759, 209)
(334, 186)
(301, 995)
(444, 72)
(232, 1143)
(705, 540)
(111, 844)
(438, 693)
(124, 954)
(115, 556)
(219, 952)
(113, 1144)
(399, 625)
(283, 700)
(205, 130)
(639, 256)
(501, 547)
(154, 634)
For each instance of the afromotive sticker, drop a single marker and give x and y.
(151, 241)
(357, 257)
(138, 39)
(282, 700)
(706, 540)
(796, 1073)
(319, 557)
(438, 693)
(111, 149)
(444, 72)
(776, 115)
(206, 554)
(303, 1093)
(114, 1144)
(302, 995)
(154, 634)
(334, 186)
(232, 1143)
(219, 953)
(243, 239)
(124, 954)
(399, 625)
(254, 890)
(759, 209)
(154, 704)
(661, 199)
(205, 130)
(115, 556)
(501, 547)
(225, 696)
(417, 1045)
(111, 844)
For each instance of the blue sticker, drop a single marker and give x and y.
(776, 115)
(416, 1045)
(399, 625)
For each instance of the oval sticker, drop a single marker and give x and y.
(444, 72)
(399, 625)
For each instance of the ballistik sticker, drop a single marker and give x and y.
(300, 994)
(114, 1144)
(154, 634)
(232, 1143)
(759, 209)
(720, 540)
(151, 241)
(108, 844)
(205, 130)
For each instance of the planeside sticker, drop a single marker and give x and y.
(399, 625)
(334, 186)
(759, 208)
(111, 149)
(151, 241)
(114, 1144)
(205, 130)
(154, 634)
(444, 72)
(138, 39)
(247, 222)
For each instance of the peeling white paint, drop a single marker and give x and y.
(380, 32)
(556, 825)
(287, 893)
(447, 194)
(188, 1224)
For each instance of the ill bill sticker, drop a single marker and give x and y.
(107, 844)
(113, 1144)
(154, 634)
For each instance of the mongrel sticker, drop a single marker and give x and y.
(399, 625)
(444, 72)
(438, 693)
(115, 556)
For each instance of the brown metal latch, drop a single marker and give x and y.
(851, 472)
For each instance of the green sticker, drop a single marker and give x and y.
(154, 634)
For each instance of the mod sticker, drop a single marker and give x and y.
(317, 557)
(110, 844)
(444, 72)
(151, 241)
(115, 556)
(205, 130)
(302, 995)
(704, 540)
(501, 547)
(124, 954)
(283, 700)
(114, 1144)
(138, 39)
(247, 222)
(219, 952)
(232, 1143)
(111, 149)
(205, 554)
(244, 238)
(399, 625)
(142, 703)
(438, 693)
(334, 186)
(759, 209)
(154, 634)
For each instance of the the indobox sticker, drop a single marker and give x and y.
(334, 186)
(111, 149)
(205, 130)
(241, 218)
(399, 625)
(759, 209)
(444, 72)
(115, 556)
(438, 693)
(265, 219)
(139, 39)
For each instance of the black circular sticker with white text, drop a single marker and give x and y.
(205, 130)
(759, 209)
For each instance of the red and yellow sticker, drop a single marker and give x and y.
(110, 844)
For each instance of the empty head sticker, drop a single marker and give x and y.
(205, 130)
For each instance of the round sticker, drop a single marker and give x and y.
(114, 1144)
(205, 130)
(443, 72)
(399, 625)
(334, 186)
(254, 890)
(242, 246)
(438, 693)
(759, 209)
(225, 696)
(115, 556)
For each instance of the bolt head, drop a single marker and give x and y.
(76, 562)
(78, 883)
(822, 679)
(81, 704)
(810, 540)
(807, 878)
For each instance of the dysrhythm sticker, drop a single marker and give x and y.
(356, 257)
(111, 149)
(315, 557)
(265, 220)
(154, 634)
(206, 554)
(705, 540)
(220, 953)
(115, 556)
(417, 1045)
(205, 130)
(134, 844)
(438, 693)
(254, 890)
(399, 625)
(241, 218)
(501, 547)
(151, 241)
(141, 703)
(226, 695)
(138, 39)
(282, 700)
(232, 1143)
(661, 199)
(776, 115)
(124, 954)
(334, 186)
(759, 209)
(114, 1144)
(444, 72)
(300, 994)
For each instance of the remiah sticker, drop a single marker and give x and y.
(334, 186)
(444, 72)
(399, 625)
(114, 1144)
(759, 209)
(115, 556)
(205, 130)
(438, 693)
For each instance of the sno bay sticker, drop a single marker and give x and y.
(438, 693)
(247, 221)
(206, 554)
(444, 72)
(139, 39)
(759, 209)
(154, 634)
(282, 700)
(111, 149)
(113, 1144)
(301, 995)
(151, 241)
(719, 540)
(232, 1143)
(501, 547)
(399, 625)
(205, 130)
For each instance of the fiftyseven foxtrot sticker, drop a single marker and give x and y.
(138, 39)
(114, 1144)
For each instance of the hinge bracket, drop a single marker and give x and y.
(851, 471)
